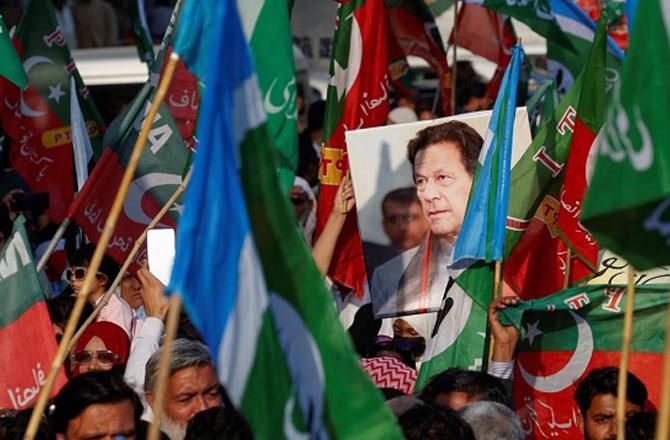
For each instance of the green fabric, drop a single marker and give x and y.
(19, 284)
(633, 161)
(11, 67)
(143, 41)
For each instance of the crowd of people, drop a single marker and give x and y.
(113, 367)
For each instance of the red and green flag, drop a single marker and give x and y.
(537, 14)
(566, 335)
(38, 118)
(412, 27)
(541, 192)
(357, 97)
(626, 206)
(11, 67)
(24, 322)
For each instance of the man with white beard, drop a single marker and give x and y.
(192, 385)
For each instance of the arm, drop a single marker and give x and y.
(323, 249)
(146, 343)
(505, 338)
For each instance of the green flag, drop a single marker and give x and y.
(11, 67)
(266, 25)
(538, 15)
(626, 206)
(24, 322)
(143, 41)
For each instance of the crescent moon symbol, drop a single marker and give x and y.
(573, 369)
(133, 204)
(355, 54)
(27, 66)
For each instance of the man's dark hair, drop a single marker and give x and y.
(605, 381)
(401, 196)
(16, 427)
(468, 140)
(475, 88)
(483, 386)
(641, 426)
(61, 307)
(108, 266)
(433, 422)
(218, 423)
(98, 387)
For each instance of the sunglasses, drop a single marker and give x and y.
(79, 273)
(103, 356)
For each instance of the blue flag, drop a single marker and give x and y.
(195, 34)
(483, 232)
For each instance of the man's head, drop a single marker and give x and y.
(444, 158)
(596, 397)
(492, 421)
(219, 423)
(455, 388)
(403, 220)
(131, 291)
(106, 272)
(96, 405)
(433, 422)
(192, 385)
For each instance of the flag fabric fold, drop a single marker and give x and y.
(246, 276)
(11, 67)
(632, 160)
(483, 232)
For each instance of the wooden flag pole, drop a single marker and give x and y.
(663, 424)
(126, 264)
(497, 283)
(566, 276)
(171, 325)
(52, 244)
(454, 61)
(100, 248)
(625, 349)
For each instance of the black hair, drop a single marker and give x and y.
(61, 307)
(17, 426)
(108, 266)
(218, 423)
(605, 381)
(403, 196)
(476, 384)
(467, 139)
(641, 426)
(84, 390)
(433, 422)
(473, 89)
(316, 115)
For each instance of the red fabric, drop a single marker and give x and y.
(388, 372)
(112, 335)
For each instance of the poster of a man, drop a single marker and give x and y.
(438, 159)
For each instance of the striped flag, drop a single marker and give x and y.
(243, 270)
(483, 232)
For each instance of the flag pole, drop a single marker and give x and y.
(625, 349)
(126, 264)
(100, 248)
(52, 244)
(171, 325)
(497, 282)
(566, 276)
(663, 424)
(454, 61)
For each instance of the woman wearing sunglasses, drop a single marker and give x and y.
(117, 310)
(103, 346)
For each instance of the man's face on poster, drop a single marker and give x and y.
(443, 186)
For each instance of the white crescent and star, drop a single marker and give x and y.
(140, 186)
(27, 66)
(343, 78)
(575, 367)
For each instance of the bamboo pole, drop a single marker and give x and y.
(625, 349)
(568, 265)
(497, 284)
(52, 244)
(126, 264)
(171, 325)
(663, 423)
(100, 248)
(454, 61)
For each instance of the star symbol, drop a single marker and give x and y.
(532, 331)
(55, 93)
(339, 80)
